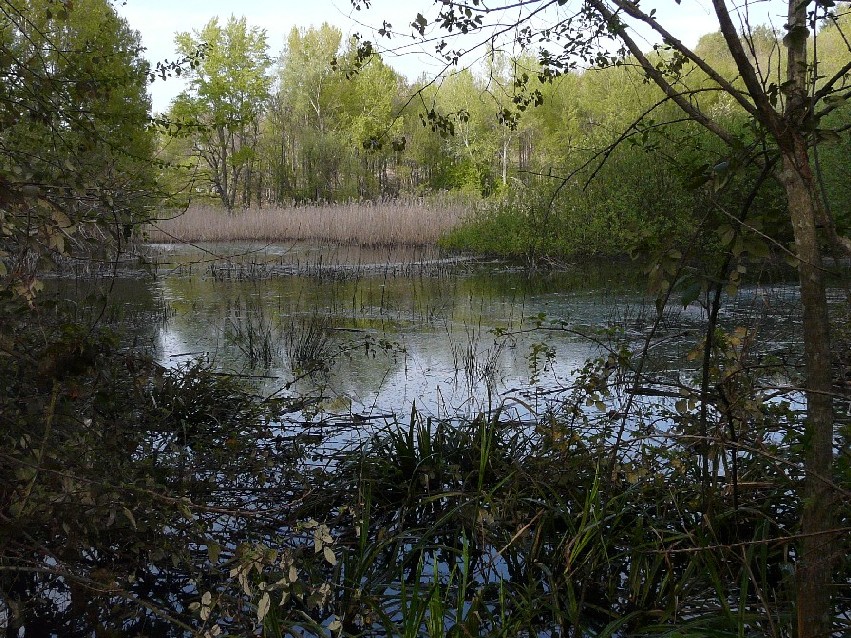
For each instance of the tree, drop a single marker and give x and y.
(222, 109)
(372, 129)
(788, 119)
(312, 92)
(328, 117)
(308, 93)
(75, 151)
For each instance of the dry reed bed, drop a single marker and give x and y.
(409, 223)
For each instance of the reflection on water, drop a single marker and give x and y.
(374, 331)
(396, 327)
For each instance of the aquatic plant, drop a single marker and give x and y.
(477, 357)
(308, 343)
(249, 329)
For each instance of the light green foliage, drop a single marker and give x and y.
(222, 109)
(332, 131)
(309, 84)
(589, 178)
(471, 148)
(831, 45)
(306, 117)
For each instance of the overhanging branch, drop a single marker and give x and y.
(654, 74)
(635, 12)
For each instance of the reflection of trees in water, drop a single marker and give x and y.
(463, 338)
(397, 339)
(133, 306)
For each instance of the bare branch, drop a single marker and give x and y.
(827, 89)
(765, 111)
(634, 11)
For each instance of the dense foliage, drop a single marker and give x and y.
(75, 151)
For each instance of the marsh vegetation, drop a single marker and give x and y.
(415, 222)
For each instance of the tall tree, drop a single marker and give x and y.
(371, 95)
(227, 95)
(310, 91)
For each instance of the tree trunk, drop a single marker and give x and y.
(505, 141)
(224, 185)
(815, 560)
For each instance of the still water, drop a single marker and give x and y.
(373, 332)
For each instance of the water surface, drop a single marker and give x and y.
(373, 332)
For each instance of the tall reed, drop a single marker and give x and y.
(391, 223)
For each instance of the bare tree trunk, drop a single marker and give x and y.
(814, 569)
(224, 185)
(505, 141)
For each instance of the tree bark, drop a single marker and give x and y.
(814, 568)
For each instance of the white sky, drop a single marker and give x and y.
(159, 20)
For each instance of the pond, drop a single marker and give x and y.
(373, 332)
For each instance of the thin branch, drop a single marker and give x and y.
(827, 89)
(633, 10)
(765, 541)
(766, 112)
(656, 75)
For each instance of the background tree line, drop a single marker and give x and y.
(596, 161)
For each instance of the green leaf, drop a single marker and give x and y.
(213, 551)
(691, 294)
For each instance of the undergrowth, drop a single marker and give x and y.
(175, 503)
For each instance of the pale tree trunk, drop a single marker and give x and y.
(505, 141)
(222, 177)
